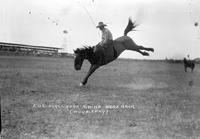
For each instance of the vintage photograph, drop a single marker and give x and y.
(100, 69)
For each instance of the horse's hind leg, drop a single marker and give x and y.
(145, 48)
(131, 45)
(143, 53)
(192, 69)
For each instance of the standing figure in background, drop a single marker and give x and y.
(188, 64)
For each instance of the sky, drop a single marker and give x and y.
(166, 25)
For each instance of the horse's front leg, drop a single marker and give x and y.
(91, 70)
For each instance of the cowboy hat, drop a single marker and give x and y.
(101, 24)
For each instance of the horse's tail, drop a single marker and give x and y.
(131, 25)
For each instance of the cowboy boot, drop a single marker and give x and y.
(115, 52)
(103, 56)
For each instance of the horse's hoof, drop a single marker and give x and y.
(145, 54)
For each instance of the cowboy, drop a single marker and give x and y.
(107, 38)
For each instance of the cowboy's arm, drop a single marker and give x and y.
(103, 42)
(105, 38)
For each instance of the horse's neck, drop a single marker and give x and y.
(91, 59)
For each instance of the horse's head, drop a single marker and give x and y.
(80, 55)
(79, 58)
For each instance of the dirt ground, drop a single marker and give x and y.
(125, 99)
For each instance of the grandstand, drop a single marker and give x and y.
(24, 49)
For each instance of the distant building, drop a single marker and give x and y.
(24, 49)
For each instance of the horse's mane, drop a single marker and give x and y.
(86, 50)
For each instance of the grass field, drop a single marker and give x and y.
(41, 99)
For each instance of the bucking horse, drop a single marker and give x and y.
(96, 58)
